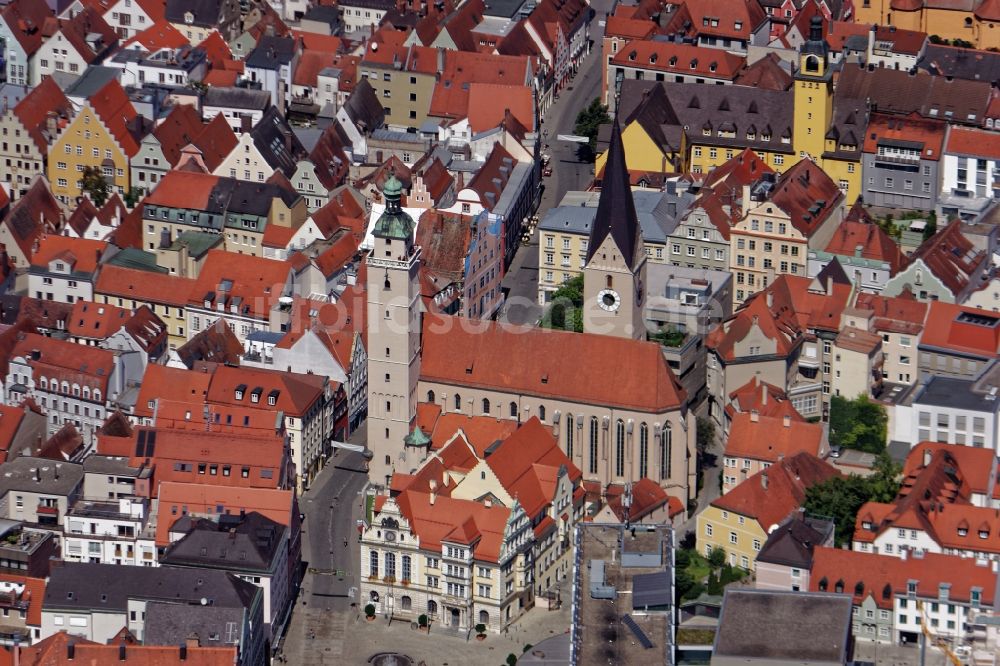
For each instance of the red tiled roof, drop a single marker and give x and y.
(956, 328)
(977, 464)
(295, 393)
(256, 281)
(896, 314)
(25, 20)
(454, 353)
(485, 112)
(480, 431)
(66, 361)
(801, 188)
(770, 439)
(647, 497)
(94, 321)
(974, 142)
(53, 651)
(203, 498)
(34, 109)
(951, 257)
(216, 48)
(462, 69)
(763, 398)
(10, 421)
(170, 385)
(183, 189)
(716, 18)
(460, 521)
(113, 107)
(160, 35)
(629, 28)
(143, 286)
(867, 240)
(881, 577)
(794, 311)
(770, 495)
(766, 73)
(79, 30)
(913, 128)
(177, 130)
(679, 57)
(527, 465)
(82, 254)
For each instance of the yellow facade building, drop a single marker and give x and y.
(101, 137)
(739, 521)
(977, 22)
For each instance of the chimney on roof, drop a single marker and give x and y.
(754, 416)
(183, 655)
(192, 641)
(927, 456)
(763, 393)
(787, 421)
(121, 652)
(70, 651)
(770, 300)
(431, 498)
(763, 479)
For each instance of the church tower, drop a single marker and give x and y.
(614, 277)
(393, 289)
(813, 94)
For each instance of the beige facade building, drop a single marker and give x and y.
(784, 217)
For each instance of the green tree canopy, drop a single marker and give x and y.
(840, 498)
(588, 124)
(858, 424)
(566, 309)
(94, 184)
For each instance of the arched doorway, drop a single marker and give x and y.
(456, 618)
(432, 608)
(484, 618)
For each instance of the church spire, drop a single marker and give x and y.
(616, 209)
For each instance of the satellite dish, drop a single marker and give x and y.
(204, 601)
(374, 46)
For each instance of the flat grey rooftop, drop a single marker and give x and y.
(955, 393)
(599, 626)
(772, 626)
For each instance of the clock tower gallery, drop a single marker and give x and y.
(614, 278)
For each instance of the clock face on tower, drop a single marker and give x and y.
(609, 300)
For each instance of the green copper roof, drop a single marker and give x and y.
(417, 438)
(394, 223)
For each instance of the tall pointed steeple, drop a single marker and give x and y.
(616, 209)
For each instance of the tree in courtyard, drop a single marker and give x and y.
(588, 124)
(717, 557)
(840, 498)
(858, 424)
(95, 185)
(565, 312)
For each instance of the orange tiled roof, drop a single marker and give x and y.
(34, 109)
(82, 254)
(975, 142)
(91, 320)
(258, 282)
(115, 110)
(895, 314)
(630, 28)
(143, 286)
(160, 35)
(485, 112)
(203, 498)
(867, 240)
(52, 651)
(862, 574)
(679, 57)
(951, 257)
(459, 521)
(957, 328)
(455, 354)
(766, 399)
(770, 439)
(770, 495)
(913, 128)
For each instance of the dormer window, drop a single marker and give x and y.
(866, 524)
(963, 531)
(60, 266)
(631, 55)
(188, 18)
(255, 395)
(240, 390)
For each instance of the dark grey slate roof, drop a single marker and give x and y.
(271, 52)
(703, 106)
(277, 143)
(40, 475)
(237, 98)
(955, 393)
(616, 210)
(207, 13)
(969, 64)
(363, 107)
(85, 585)
(172, 624)
(232, 543)
(773, 626)
(793, 542)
